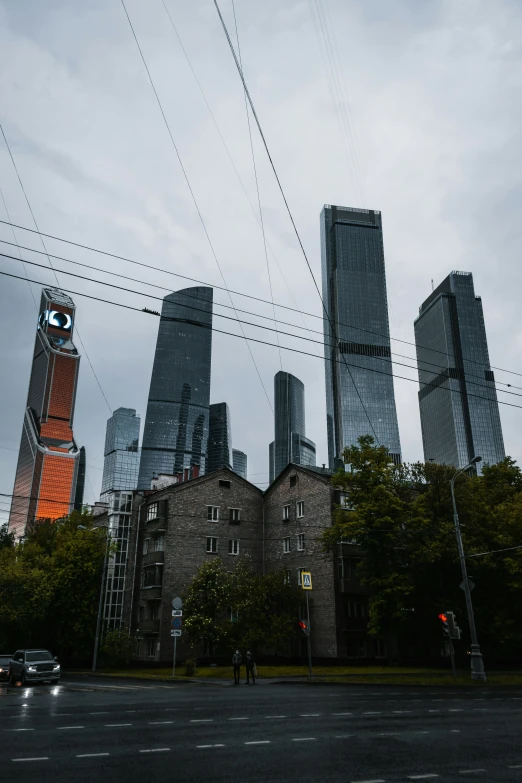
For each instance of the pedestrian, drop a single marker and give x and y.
(250, 666)
(237, 660)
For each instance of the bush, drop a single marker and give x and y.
(118, 647)
(190, 667)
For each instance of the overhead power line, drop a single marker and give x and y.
(193, 195)
(237, 293)
(276, 329)
(262, 342)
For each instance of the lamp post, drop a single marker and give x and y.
(477, 664)
(100, 603)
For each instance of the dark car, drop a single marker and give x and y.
(33, 666)
(4, 667)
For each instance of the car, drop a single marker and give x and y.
(33, 666)
(4, 666)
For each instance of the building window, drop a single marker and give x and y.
(211, 545)
(150, 648)
(293, 481)
(286, 545)
(159, 544)
(233, 546)
(233, 615)
(234, 514)
(213, 513)
(152, 511)
(300, 509)
(146, 546)
(152, 576)
(224, 483)
(154, 611)
(347, 567)
(286, 513)
(288, 577)
(141, 613)
(355, 609)
(300, 542)
(300, 576)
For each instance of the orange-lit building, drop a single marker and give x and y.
(47, 469)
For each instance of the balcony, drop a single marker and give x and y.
(353, 587)
(148, 626)
(156, 525)
(152, 558)
(150, 593)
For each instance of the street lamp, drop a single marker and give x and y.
(100, 603)
(477, 664)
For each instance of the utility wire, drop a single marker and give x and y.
(264, 342)
(191, 191)
(332, 325)
(18, 247)
(257, 186)
(467, 375)
(242, 321)
(239, 293)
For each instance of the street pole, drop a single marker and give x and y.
(477, 664)
(100, 605)
(309, 644)
(174, 657)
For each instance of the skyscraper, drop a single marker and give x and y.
(122, 456)
(80, 481)
(45, 482)
(457, 397)
(176, 425)
(239, 463)
(219, 437)
(290, 443)
(359, 388)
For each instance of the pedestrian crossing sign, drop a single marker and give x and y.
(306, 580)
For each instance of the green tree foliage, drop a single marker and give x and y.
(241, 609)
(119, 646)
(49, 587)
(401, 517)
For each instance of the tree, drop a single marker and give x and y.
(118, 646)
(239, 608)
(401, 517)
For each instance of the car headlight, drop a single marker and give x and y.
(1, 670)
(31, 668)
(56, 667)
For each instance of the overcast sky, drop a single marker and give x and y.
(432, 93)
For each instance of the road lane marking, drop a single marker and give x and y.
(303, 739)
(422, 777)
(118, 724)
(238, 718)
(105, 712)
(373, 712)
(422, 732)
(258, 742)
(202, 720)
(387, 734)
(401, 712)
(310, 715)
(19, 729)
(515, 766)
(64, 728)
(90, 755)
(155, 750)
(210, 746)
(34, 758)
(159, 722)
(456, 710)
(433, 710)
(470, 771)
(455, 731)
(342, 713)
(343, 736)
(273, 717)
(373, 780)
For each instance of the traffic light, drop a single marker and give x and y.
(444, 624)
(303, 626)
(454, 630)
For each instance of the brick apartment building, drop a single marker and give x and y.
(176, 528)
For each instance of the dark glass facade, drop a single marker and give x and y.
(457, 397)
(290, 443)
(122, 455)
(219, 437)
(80, 481)
(176, 424)
(359, 386)
(46, 474)
(240, 463)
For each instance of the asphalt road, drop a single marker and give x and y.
(129, 731)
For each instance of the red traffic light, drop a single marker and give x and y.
(443, 618)
(302, 625)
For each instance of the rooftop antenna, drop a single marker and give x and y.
(432, 286)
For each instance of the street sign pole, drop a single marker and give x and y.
(174, 657)
(308, 638)
(452, 656)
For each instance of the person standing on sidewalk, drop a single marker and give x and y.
(250, 666)
(237, 660)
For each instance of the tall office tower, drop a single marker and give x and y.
(457, 398)
(359, 388)
(176, 424)
(290, 443)
(219, 437)
(80, 481)
(45, 482)
(239, 463)
(122, 455)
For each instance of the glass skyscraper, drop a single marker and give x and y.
(176, 425)
(122, 456)
(46, 474)
(219, 437)
(360, 398)
(240, 463)
(457, 397)
(80, 481)
(290, 443)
